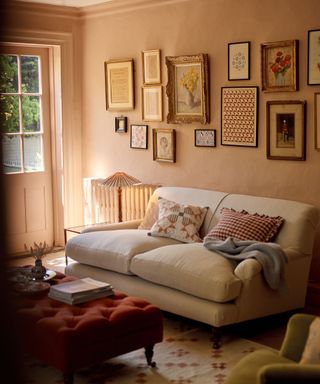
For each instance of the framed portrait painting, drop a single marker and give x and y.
(119, 85)
(314, 57)
(239, 116)
(164, 145)
(139, 136)
(188, 89)
(279, 66)
(286, 130)
(239, 61)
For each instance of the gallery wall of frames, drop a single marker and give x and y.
(188, 96)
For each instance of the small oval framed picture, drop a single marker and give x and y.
(205, 137)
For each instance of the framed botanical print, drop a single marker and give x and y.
(188, 89)
(239, 116)
(152, 103)
(314, 57)
(279, 66)
(239, 61)
(119, 85)
(164, 145)
(151, 66)
(139, 136)
(286, 130)
(205, 137)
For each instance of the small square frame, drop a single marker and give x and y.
(317, 121)
(314, 57)
(119, 85)
(120, 124)
(152, 103)
(239, 116)
(151, 70)
(239, 61)
(279, 66)
(205, 137)
(164, 145)
(139, 136)
(286, 130)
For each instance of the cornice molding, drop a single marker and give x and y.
(122, 6)
(14, 6)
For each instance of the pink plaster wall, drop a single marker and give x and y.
(191, 27)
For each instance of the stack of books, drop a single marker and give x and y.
(80, 291)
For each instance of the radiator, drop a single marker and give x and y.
(109, 204)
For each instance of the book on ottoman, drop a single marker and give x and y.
(80, 290)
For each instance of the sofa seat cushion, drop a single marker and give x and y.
(113, 250)
(190, 268)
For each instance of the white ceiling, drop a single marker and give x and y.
(69, 3)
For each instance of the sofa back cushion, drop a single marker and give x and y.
(300, 219)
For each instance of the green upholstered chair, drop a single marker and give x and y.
(275, 367)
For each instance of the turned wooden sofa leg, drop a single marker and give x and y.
(149, 354)
(68, 378)
(216, 338)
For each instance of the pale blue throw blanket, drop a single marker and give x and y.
(270, 255)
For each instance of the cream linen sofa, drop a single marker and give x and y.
(188, 279)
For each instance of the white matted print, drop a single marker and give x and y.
(139, 136)
(152, 103)
(205, 137)
(151, 66)
(239, 61)
(239, 116)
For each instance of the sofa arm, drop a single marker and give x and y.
(289, 373)
(132, 224)
(296, 336)
(247, 269)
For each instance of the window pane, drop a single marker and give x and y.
(31, 113)
(11, 152)
(8, 74)
(9, 114)
(33, 158)
(30, 74)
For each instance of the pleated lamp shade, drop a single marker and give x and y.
(119, 180)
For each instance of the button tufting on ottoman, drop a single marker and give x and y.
(72, 337)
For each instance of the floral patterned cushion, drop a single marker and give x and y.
(311, 353)
(178, 221)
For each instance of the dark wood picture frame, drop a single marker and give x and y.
(239, 61)
(120, 124)
(205, 138)
(139, 136)
(286, 130)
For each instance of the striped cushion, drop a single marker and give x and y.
(244, 226)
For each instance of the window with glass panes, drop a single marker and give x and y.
(20, 114)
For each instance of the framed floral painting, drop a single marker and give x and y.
(188, 89)
(286, 130)
(279, 66)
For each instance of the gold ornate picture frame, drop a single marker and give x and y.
(188, 89)
(279, 66)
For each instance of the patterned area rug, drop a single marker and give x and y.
(184, 357)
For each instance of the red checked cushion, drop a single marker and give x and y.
(244, 226)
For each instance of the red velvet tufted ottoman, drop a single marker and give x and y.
(73, 337)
